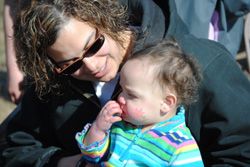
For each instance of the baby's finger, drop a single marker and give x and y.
(116, 111)
(115, 119)
(112, 104)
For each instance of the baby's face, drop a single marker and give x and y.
(141, 98)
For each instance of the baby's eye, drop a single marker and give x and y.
(132, 96)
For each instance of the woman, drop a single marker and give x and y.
(73, 50)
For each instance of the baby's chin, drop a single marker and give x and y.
(134, 123)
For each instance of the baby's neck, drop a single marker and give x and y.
(146, 127)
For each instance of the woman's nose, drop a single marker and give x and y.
(90, 63)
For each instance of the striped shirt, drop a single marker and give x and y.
(168, 143)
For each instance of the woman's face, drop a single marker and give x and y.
(71, 43)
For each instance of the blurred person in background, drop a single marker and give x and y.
(218, 20)
(15, 77)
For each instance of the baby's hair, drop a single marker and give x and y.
(173, 69)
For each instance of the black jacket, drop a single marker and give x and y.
(42, 132)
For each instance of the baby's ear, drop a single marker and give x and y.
(168, 103)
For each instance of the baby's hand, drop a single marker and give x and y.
(109, 114)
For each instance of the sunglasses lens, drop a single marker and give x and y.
(73, 67)
(95, 47)
(90, 52)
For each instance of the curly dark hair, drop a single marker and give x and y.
(173, 69)
(37, 27)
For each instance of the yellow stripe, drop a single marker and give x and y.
(187, 148)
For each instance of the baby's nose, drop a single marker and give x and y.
(121, 100)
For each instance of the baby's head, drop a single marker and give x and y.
(160, 77)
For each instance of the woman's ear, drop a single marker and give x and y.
(168, 103)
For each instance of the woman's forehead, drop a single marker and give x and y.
(71, 40)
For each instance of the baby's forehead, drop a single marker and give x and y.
(142, 65)
(138, 68)
(142, 61)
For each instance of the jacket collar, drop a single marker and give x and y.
(87, 91)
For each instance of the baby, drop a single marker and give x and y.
(146, 125)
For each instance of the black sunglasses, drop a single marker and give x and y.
(77, 62)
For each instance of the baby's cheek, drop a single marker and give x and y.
(138, 113)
